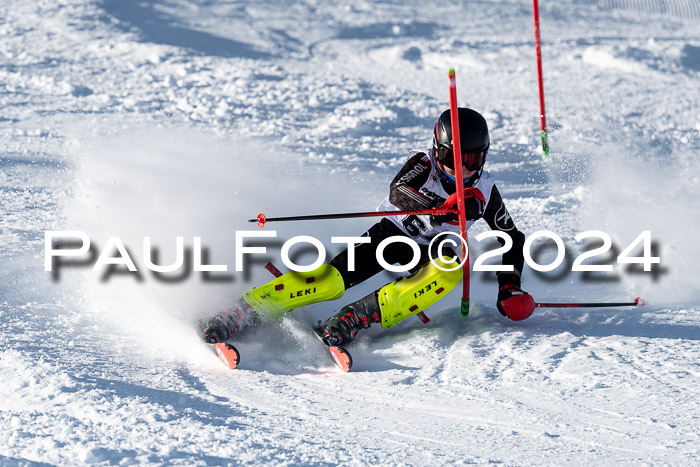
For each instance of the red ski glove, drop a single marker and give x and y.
(473, 207)
(513, 301)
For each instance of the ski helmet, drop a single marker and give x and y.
(473, 137)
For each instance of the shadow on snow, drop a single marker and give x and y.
(159, 28)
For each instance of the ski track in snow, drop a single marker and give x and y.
(187, 117)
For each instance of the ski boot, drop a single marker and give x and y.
(342, 328)
(224, 326)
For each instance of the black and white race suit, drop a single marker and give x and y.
(418, 186)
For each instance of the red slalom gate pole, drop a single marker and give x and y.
(457, 152)
(538, 53)
(637, 302)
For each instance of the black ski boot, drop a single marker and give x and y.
(342, 328)
(224, 326)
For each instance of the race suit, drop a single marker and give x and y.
(418, 186)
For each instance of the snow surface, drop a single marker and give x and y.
(188, 117)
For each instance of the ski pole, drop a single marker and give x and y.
(448, 207)
(637, 302)
(262, 220)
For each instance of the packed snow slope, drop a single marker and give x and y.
(187, 117)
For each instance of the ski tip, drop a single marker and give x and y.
(639, 301)
(228, 354)
(342, 358)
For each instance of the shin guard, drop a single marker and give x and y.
(295, 289)
(412, 294)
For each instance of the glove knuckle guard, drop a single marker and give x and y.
(518, 307)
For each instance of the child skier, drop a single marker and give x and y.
(426, 180)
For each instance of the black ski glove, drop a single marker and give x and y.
(473, 210)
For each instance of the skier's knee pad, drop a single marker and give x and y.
(296, 289)
(412, 294)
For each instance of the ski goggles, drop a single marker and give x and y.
(470, 160)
